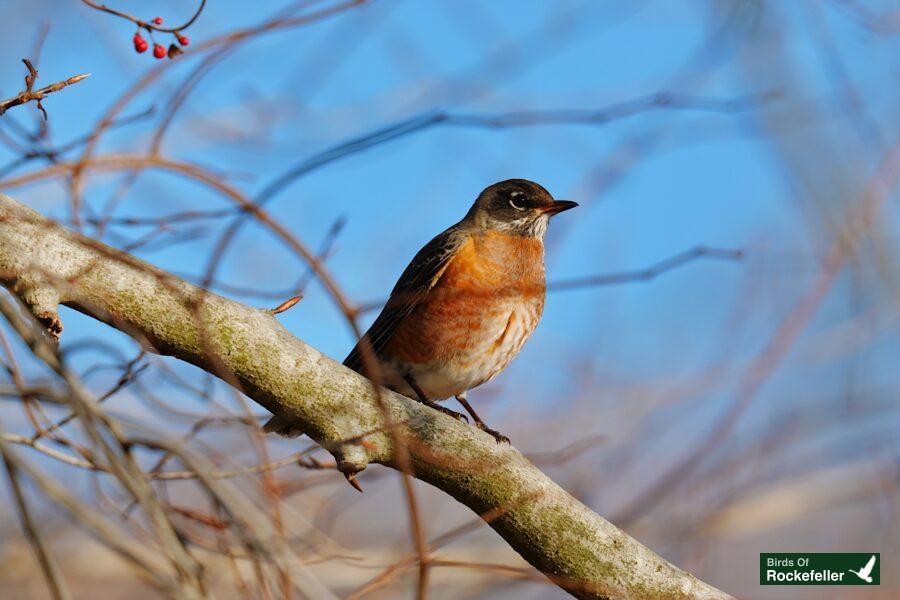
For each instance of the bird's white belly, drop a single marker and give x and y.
(479, 361)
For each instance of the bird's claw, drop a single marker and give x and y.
(456, 415)
(501, 439)
(450, 413)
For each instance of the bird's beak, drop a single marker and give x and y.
(558, 206)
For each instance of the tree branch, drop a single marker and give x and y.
(46, 264)
(31, 94)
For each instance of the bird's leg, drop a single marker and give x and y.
(424, 400)
(461, 398)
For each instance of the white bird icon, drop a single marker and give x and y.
(865, 572)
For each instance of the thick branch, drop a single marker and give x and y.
(45, 264)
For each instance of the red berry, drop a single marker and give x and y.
(140, 44)
(184, 40)
(158, 21)
(159, 51)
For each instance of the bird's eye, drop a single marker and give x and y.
(517, 201)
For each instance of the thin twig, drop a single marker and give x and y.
(29, 94)
(149, 26)
(49, 566)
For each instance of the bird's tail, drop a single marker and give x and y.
(283, 424)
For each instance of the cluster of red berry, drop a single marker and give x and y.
(159, 51)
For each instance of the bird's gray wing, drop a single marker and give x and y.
(417, 280)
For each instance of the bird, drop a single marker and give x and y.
(466, 304)
(866, 572)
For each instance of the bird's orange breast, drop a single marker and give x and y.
(479, 314)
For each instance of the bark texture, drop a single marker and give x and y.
(46, 265)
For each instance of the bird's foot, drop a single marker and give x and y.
(445, 410)
(452, 413)
(421, 397)
(501, 439)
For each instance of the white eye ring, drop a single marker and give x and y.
(519, 198)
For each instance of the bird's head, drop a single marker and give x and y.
(516, 207)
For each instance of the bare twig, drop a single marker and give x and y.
(111, 534)
(286, 305)
(49, 566)
(594, 118)
(30, 94)
(148, 25)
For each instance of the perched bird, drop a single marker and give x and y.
(466, 304)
